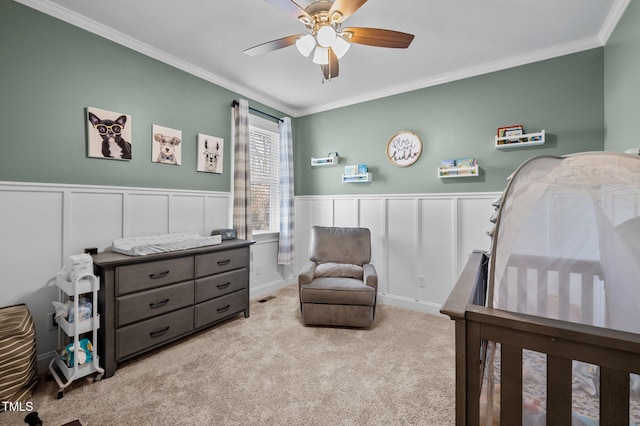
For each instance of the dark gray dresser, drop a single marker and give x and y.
(148, 301)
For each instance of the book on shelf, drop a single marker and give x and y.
(466, 166)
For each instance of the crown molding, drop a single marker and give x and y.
(97, 28)
(109, 33)
(615, 14)
(474, 71)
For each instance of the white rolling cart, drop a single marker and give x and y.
(83, 284)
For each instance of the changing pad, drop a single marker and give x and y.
(163, 243)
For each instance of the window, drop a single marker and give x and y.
(264, 154)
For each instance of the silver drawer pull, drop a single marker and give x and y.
(158, 304)
(160, 332)
(224, 308)
(223, 286)
(159, 275)
(224, 262)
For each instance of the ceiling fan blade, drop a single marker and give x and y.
(332, 68)
(290, 7)
(346, 8)
(272, 45)
(378, 37)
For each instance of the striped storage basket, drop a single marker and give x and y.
(18, 367)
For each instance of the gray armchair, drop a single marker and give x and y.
(338, 285)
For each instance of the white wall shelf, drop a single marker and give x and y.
(363, 178)
(325, 161)
(529, 139)
(458, 172)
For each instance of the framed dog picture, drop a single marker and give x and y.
(108, 134)
(210, 149)
(166, 146)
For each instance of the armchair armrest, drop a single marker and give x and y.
(370, 277)
(307, 273)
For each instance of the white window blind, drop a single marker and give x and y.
(264, 151)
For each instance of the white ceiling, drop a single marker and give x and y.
(453, 39)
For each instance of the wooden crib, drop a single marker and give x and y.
(617, 353)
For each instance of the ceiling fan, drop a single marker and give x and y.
(326, 36)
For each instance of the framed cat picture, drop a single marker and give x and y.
(210, 150)
(108, 134)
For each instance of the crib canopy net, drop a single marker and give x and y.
(566, 244)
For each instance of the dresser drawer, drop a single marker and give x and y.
(153, 332)
(221, 284)
(222, 261)
(216, 309)
(147, 304)
(153, 274)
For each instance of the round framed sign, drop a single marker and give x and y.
(404, 148)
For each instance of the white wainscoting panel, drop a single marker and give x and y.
(473, 224)
(402, 247)
(437, 249)
(345, 212)
(187, 214)
(42, 224)
(93, 220)
(146, 214)
(420, 242)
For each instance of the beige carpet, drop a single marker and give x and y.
(270, 369)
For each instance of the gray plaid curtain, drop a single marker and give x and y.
(285, 245)
(241, 174)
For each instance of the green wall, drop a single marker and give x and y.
(51, 71)
(564, 96)
(621, 82)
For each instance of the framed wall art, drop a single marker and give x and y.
(210, 154)
(166, 145)
(404, 148)
(108, 134)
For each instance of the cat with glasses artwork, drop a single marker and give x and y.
(113, 143)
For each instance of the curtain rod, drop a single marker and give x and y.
(236, 103)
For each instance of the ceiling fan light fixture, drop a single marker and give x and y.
(321, 56)
(326, 36)
(306, 44)
(340, 47)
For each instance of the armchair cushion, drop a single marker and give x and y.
(339, 291)
(340, 245)
(345, 270)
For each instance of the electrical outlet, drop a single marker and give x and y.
(51, 321)
(421, 281)
(258, 269)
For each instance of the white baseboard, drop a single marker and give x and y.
(263, 289)
(43, 361)
(412, 304)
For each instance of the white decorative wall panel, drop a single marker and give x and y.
(42, 224)
(473, 224)
(345, 213)
(419, 242)
(437, 249)
(186, 213)
(30, 253)
(402, 246)
(372, 214)
(146, 214)
(93, 220)
(216, 213)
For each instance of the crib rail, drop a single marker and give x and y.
(540, 270)
(616, 352)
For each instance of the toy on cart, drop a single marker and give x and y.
(77, 317)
